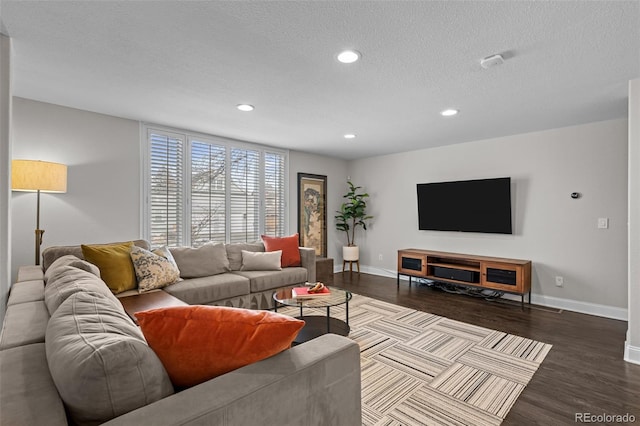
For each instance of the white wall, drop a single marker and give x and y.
(102, 153)
(336, 172)
(5, 169)
(557, 233)
(632, 347)
(102, 202)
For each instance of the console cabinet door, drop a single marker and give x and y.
(412, 264)
(502, 276)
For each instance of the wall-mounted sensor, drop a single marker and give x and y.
(575, 195)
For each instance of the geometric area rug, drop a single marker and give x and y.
(424, 369)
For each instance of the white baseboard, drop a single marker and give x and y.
(596, 309)
(631, 353)
(537, 299)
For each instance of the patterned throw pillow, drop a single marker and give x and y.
(155, 269)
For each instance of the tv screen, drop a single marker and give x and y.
(482, 205)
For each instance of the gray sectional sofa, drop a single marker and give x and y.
(69, 354)
(232, 287)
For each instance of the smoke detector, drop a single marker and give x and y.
(491, 61)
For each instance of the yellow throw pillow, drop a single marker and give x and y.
(114, 262)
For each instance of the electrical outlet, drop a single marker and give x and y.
(559, 281)
(603, 223)
(380, 256)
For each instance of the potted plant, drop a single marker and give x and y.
(352, 214)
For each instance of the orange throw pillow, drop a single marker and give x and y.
(197, 343)
(289, 247)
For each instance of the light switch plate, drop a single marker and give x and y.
(603, 223)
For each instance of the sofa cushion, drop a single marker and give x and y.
(197, 343)
(234, 253)
(68, 280)
(288, 245)
(205, 290)
(26, 291)
(155, 269)
(99, 360)
(30, 273)
(203, 261)
(71, 260)
(256, 261)
(50, 254)
(266, 280)
(116, 268)
(24, 323)
(27, 392)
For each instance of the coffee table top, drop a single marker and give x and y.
(337, 297)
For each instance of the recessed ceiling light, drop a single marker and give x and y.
(348, 56)
(449, 112)
(245, 107)
(349, 136)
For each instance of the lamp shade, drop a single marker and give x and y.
(33, 175)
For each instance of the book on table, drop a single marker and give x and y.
(303, 293)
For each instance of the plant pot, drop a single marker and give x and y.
(350, 253)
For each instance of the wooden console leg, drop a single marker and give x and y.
(344, 265)
(358, 265)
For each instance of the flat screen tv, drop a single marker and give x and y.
(482, 205)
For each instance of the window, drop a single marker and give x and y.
(201, 189)
(274, 195)
(165, 195)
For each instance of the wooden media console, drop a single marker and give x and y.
(492, 273)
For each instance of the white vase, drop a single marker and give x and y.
(350, 253)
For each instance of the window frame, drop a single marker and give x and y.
(188, 137)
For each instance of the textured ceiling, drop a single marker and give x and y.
(187, 64)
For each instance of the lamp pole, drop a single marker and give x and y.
(39, 231)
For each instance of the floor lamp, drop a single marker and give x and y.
(38, 176)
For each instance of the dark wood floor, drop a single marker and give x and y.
(583, 373)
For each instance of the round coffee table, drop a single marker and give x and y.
(316, 325)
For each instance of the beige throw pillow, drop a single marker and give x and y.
(234, 252)
(155, 269)
(204, 261)
(254, 261)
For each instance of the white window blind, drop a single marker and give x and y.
(203, 189)
(166, 181)
(244, 195)
(274, 197)
(208, 193)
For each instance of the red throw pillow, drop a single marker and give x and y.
(198, 343)
(289, 247)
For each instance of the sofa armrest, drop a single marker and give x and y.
(308, 261)
(316, 383)
(30, 273)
